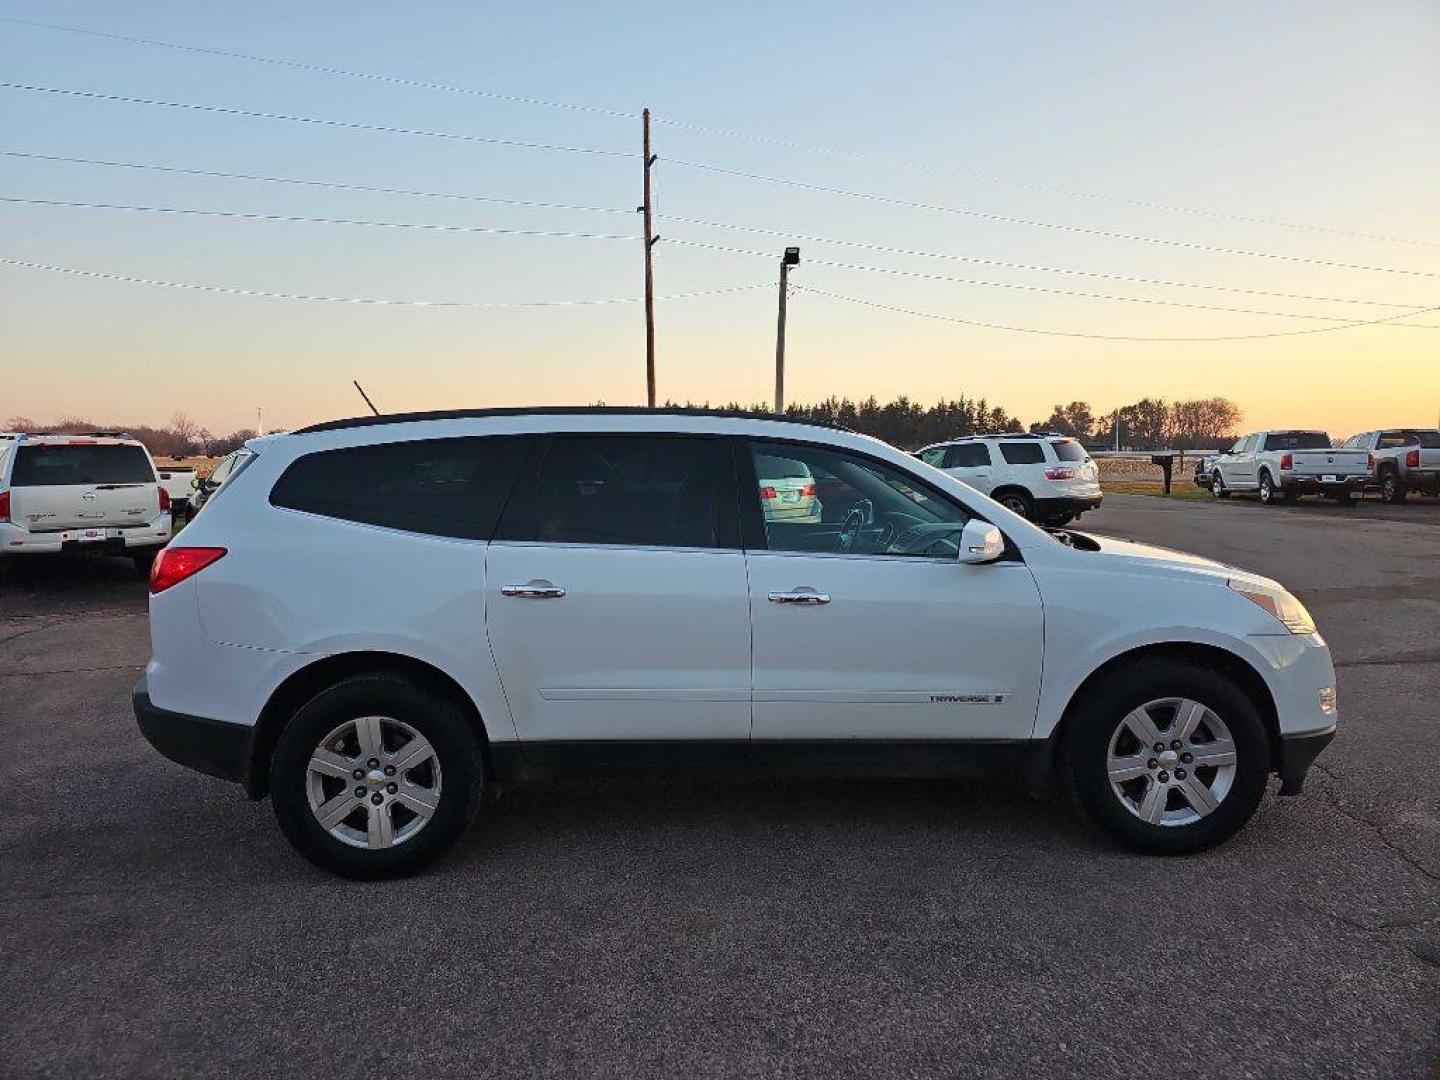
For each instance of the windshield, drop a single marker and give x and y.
(64, 465)
(1068, 450)
(1297, 440)
(778, 468)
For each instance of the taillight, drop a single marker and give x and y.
(1369, 462)
(1059, 474)
(767, 493)
(808, 491)
(1412, 458)
(1287, 461)
(4, 506)
(173, 565)
(164, 499)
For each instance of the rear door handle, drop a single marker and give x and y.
(800, 596)
(534, 590)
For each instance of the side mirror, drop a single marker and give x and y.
(981, 542)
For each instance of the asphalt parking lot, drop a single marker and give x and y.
(156, 923)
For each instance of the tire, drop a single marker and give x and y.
(1392, 488)
(1061, 520)
(1017, 502)
(1217, 486)
(1269, 493)
(392, 839)
(143, 560)
(1103, 723)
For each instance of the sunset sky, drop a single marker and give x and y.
(1304, 133)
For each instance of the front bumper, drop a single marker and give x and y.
(213, 747)
(1297, 754)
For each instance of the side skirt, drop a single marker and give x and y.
(804, 758)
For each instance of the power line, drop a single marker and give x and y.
(787, 234)
(1413, 309)
(351, 125)
(1100, 337)
(385, 302)
(298, 218)
(322, 69)
(1011, 265)
(1044, 189)
(334, 185)
(983, 215)
(708, 129)
(491, 231)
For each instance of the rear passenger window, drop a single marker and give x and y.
(441, 487)
(632, 490)
(1022, 453)
(967, 456)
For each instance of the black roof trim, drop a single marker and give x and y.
(551, 410)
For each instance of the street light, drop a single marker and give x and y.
(789, 259)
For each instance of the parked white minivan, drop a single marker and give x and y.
(373, 618)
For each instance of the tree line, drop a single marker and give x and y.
(1150, 423)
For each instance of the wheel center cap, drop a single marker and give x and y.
(375, 778)
(1169, 759)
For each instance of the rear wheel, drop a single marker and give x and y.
(1269, 493)
(1169, 758)
(376, 777)
(1017, 502)
(143, 560)
(1392, 488)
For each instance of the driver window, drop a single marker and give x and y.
(817, 500)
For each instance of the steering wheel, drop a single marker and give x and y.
(887, 535)
(850, 530)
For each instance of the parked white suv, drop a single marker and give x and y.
(375, 617)
(95, 493)
(1043, 477)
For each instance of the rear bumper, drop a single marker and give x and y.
(213, 747)
(1066, 504)
(1297, 754)
(1314, 485)
(15, 540)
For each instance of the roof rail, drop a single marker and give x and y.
(553, 410)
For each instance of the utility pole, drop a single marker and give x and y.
(649, 211)
(789, 259)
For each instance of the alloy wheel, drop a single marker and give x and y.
(373, 782)
(1171, 761)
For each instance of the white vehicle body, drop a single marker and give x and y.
(1044, 477)
(1402, 460)
(605, 655)
(179, 482)
(92, 493)
(1282, 464)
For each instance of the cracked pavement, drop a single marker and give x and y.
(153, 922)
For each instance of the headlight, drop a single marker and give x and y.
(1277, 602)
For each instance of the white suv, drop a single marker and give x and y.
(95, 492)
(1044, 477)
(374, 618)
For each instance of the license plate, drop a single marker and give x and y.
(1328, 478)
(789, 496)
(90, 535)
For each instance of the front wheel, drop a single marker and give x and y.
(1217, 486)
(1170, 758)
(376, 777)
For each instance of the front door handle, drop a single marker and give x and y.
(802, 595)
(534, 590)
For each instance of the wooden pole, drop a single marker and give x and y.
(648, 211)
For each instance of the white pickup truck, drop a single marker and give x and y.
(1283, 464)
(1402, 460)
(180, 483)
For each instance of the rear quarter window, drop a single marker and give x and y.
(71, 465)
(1022, 453)
(439, 487)
(1069, 450)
